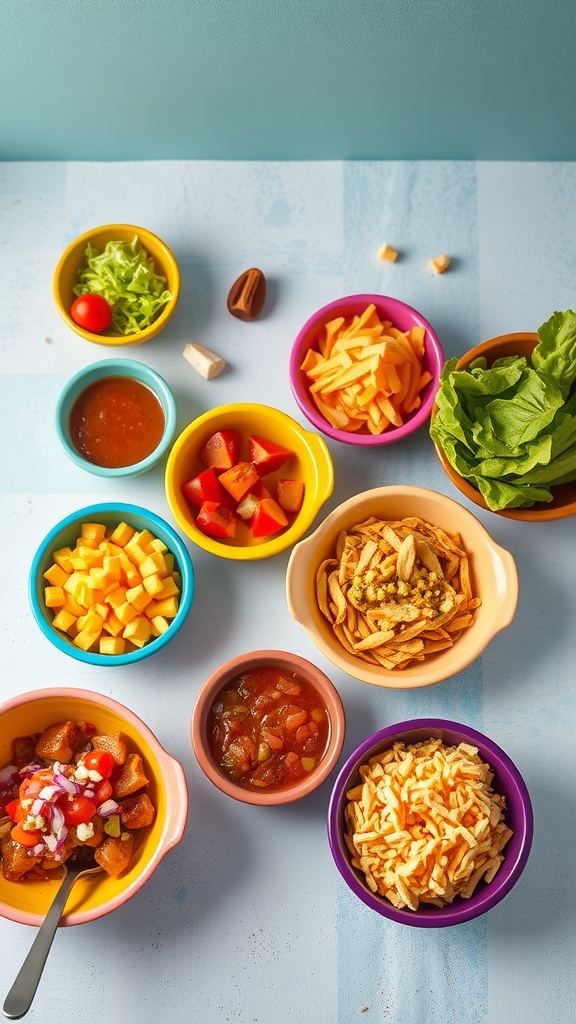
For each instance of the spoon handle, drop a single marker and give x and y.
(19, 999)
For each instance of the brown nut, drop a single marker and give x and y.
(247, 294)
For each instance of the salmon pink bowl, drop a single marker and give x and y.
(124, 419)
(27, 901)
(563, 503)
(491, 570)
(268, 691)
(150, 251)
(307, 466)
(105, 586)
(506, 782)
(402, 318)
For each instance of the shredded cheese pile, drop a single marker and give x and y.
(425, 825)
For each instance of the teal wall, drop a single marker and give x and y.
(287, 79)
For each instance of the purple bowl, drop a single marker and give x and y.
(403, 317)
(507, 780)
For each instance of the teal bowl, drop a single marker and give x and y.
(65, 534)
(116, 367)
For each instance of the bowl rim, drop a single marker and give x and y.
(176, 816)
(180, 550)
(214, 683)
(122, 366)
(414, 422)
(540, 512)
(118, 340)
(404, 679)
(521, 841)
(321, 460)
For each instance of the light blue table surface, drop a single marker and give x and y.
(247, 921)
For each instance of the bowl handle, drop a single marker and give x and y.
(176, 811)
(297, 569)
(324, 465)
(507, 584)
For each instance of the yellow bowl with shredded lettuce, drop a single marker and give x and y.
(133, 269)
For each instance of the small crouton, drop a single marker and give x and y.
(58, 742)
(137, 811)
(130, 778)
(114, 744)
(114, 853)
(16, 859)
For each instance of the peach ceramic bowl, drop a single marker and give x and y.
(563, 503)
(27, 902)
(492, 571)
(290, 664)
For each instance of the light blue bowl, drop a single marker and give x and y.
(65, 534)
(115, 367)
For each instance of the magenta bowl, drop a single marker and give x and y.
(403, 317)
(507, 781)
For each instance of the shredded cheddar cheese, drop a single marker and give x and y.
(424, 825)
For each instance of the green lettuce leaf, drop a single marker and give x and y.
(510, 429)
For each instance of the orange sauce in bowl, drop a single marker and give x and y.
(116, 422)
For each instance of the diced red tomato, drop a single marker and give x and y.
(30, 788)
(290, 494)
(15, 810)
(216, 520)
(79, 810)
(25, 837)
(201, 488)
(222, 449)
(239, 479)
(267, 456)
(100, 761)
(268, 518)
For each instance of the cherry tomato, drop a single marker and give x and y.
(100, 761)
(79, 810)
(92, 312)
(102, 792)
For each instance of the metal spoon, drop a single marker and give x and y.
(19, 999)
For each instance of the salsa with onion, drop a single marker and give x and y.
(268, 728)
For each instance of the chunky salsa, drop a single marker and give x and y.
(116, 422)
(268, 728)
(68, 788)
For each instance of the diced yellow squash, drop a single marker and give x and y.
(115, 597)
(113, 625)
(63, 620)
(122, 534)
(138, 631)
(56, 575)
(153, 584)
(138, 597)
(94, 531)
(112, 567)
(154, 563)
(159, 625)
(126, 612)
(135, 552)
(91, 622)
(62, 558)
(54, 597)
(112, 645)
(85, 640)
(156, 545)
(71, 605)
(168, 607)
(169, 589)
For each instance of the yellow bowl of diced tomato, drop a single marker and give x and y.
(27, 715)
(245, 481)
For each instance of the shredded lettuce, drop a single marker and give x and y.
(510, 429)
(124, 274)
